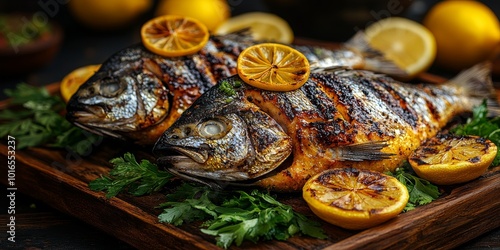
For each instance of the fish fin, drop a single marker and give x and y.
(367, 151)
(374, 59)
(477, 83)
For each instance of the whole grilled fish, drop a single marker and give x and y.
(137, 95)
(346, 118)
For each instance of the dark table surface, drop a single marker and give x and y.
(39, 226)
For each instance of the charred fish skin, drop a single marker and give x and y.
(346, 118)
(136, 95)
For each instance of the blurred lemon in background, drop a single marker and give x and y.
(466, 32)
(407, 43)
(109, 14)
(210, 12)
(263, 27)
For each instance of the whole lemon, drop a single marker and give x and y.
(466, 32)
(210, 12)
(109, 14)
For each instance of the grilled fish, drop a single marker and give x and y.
(137, 95)
(345, 118)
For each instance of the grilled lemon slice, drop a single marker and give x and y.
(171, 35)
(451, 159)
(355, 199)
(272, 66)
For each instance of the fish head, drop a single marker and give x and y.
(115, 101)
(223, 138)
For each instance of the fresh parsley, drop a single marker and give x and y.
(228, 89)
(230, 216)
(128, 174)
(421, 191)
(233, 217)
(34, 117)
(482, 125)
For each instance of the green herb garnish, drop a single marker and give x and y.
(127, 174)
(227, 88)
(240, 216)
(481, 125)
(230, 216)
(34, 118)
(421, 191)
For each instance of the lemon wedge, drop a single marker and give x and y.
(408, 44)
(263, 27)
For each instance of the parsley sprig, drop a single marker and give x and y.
(34, 118)
(240, 216)
(128, 174)
(230, 216)
(482, 125)
(229, 89)
(421, 191)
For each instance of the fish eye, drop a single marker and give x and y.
(110, 88)
(214, 128)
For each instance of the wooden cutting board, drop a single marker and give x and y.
(60, 179)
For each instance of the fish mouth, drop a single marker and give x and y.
(190, 163)
(87, 114)
(93, 119)
(182, 159)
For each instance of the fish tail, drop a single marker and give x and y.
(476, 83)
(374, 59)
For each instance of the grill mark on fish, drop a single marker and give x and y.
(321, 101)
(394, 99)
(346, 102)
(433, 109)
(201, 78)
(333, 88)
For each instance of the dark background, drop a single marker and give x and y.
(335, 21)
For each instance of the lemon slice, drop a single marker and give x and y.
(408, 44)
(272, 66)
(72, 81)
(355, 199)
(451, 159)
(263, 27)
(171, 35)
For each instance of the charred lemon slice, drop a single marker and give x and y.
(72, 81)
(274, 67)
(451, 159)
(355, 199)
(171, 35)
